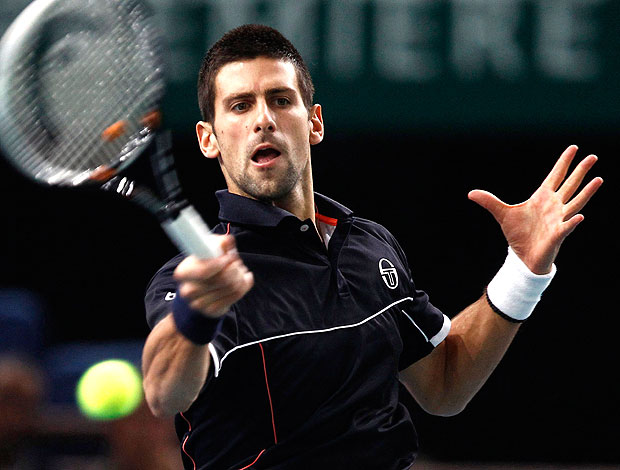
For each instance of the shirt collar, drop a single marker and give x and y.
(246, 211)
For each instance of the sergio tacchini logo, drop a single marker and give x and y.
(388, 273)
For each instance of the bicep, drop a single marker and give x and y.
(425, 378)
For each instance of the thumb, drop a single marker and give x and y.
(228, 243)
(489, 201)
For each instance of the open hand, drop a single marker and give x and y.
(536, 228)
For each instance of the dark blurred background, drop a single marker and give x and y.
(423, 101)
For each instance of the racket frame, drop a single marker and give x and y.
(179, 219)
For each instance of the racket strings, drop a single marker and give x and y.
(113, 74)
(88, 139)
(84, 83)
(114, 64)
(81, 123)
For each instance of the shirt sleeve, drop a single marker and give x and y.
(422, 326)
(160, 293)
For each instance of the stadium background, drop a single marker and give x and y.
(423, 101)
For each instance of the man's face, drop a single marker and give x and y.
(262, 131)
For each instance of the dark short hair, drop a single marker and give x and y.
(249, 42)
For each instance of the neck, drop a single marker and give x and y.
(300, 201)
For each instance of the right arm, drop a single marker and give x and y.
(174, 368)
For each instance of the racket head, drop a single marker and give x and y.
(81, 84)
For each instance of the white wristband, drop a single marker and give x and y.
(515, 290)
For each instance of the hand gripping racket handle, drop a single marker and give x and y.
(191, 234)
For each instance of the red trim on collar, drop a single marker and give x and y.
(326, 220)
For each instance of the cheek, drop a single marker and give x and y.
(299, 127)
(232, 150)
(234, 133)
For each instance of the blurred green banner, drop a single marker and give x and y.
(383, 65)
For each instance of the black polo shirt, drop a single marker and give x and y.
(305, 369)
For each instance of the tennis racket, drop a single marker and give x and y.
(81, 83)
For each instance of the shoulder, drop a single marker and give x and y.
(160, 291)
(166, 270)
(371, 230)
(376, 230)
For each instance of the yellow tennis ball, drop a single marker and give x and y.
(109, 390)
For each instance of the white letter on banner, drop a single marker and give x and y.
(298, 21)
(345, 38)
(484, 34)
(564, 37)
(295, 20)
(403, 40)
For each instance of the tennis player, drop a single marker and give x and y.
(286, 352)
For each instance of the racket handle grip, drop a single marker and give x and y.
(191, 234)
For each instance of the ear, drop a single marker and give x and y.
(207, 141)
(317, 129)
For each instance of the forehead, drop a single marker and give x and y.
(254, 76)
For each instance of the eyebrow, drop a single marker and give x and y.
(279, 90)
(244, 96)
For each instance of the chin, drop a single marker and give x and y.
(269, 193)
(273, 196)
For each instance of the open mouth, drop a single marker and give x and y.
(265, 156)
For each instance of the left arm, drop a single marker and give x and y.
(448, 378)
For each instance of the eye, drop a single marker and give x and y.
(240, 106)
(282, 101)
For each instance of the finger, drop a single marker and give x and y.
(221, 300)
(570, 225)
(193, 290)
(489, 201)
(222, 280)
(206, 300)
(560, 169)
(190, 290)
(223, 304)
(570, 186)
(229, 276)
(195, 269)
(579, 201)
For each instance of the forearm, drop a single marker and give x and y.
(477, 342)
(446, 380)
(481, 333)
(176, 357)
(174, 369)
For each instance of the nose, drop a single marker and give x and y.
(265, 121)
